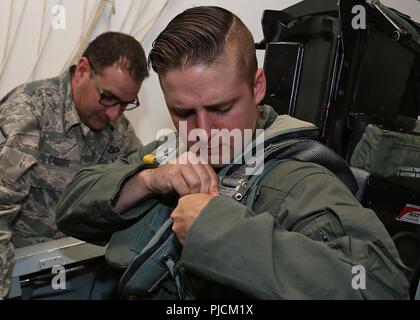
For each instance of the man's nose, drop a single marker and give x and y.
(204, 123)
(113, 113)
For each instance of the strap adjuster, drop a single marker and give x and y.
(241, 186)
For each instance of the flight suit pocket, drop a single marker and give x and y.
(268, 199)
(126, 244)
(379, 264)
(324, 227)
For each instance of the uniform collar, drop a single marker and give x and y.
(71, 117)
(267, 116)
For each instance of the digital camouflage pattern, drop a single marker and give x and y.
(43, 144)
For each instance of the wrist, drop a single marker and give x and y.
(135, 190)
(145, 179)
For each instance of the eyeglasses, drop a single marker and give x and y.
(108, 100)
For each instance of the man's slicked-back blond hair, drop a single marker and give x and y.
(205, 35)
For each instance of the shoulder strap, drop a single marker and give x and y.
(237, 184)
(316, 152)
(155, 262)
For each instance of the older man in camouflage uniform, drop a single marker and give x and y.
(52, 128)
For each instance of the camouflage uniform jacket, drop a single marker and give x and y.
(43, 143)
(302, 238)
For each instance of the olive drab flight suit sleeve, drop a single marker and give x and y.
(19, 141)
(301, 240)
(85, 209)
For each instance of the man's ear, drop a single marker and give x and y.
(260, 84)
(83, 68)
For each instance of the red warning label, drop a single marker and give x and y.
(410, 213)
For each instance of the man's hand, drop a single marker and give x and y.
(183, 176)
(186, 175)
(188, 209)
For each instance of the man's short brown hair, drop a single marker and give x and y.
(111, 47)
(202, 35)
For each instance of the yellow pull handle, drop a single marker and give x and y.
(149, 159)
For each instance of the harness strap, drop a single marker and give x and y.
(170, 264)
(237, 185)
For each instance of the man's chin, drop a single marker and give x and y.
(218, 165)
(221, 160)
(98, 126)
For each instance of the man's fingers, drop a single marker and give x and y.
(189, 174)
(205, 177)
(214, 180)
(208, 176)
(191, 177)
(200, 171)
(181, 186)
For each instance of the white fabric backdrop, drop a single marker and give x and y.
(31, 49)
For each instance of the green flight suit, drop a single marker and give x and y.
(301, 240)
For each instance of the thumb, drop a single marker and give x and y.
(214, 183)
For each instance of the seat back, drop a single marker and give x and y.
(385, 199)
(362, 178)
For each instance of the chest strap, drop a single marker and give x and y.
(237, 184)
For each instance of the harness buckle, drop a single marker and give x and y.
(240, 185)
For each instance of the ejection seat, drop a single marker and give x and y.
(322, 69)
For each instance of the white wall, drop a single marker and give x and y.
(26, 40)
(154, 115)
(130, 16)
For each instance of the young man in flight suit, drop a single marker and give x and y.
(305, 231)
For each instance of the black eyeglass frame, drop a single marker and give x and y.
(125, 105)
